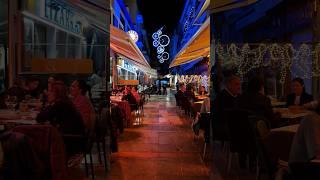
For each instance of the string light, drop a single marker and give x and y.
(302, 60)
(195, 79)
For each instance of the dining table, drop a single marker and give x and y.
(290, 128)
(203, 97)
(11, 118)
(125, 106)
(287, 113)
(197, 106)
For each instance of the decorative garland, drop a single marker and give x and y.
(196, 79)
(284, 57)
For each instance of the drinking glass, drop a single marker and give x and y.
(11, 102)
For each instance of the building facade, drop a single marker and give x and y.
(58, 37)
(192, 18)
(125, 17)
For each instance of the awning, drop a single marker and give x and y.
(198, 46)
(224, 5)
(203, 9)
(121, 43)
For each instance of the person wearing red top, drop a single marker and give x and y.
(82, 103)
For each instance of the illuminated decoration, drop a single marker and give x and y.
(161, 41)
(195, 79)
(190, 16)
(244, 58)
(133, 35)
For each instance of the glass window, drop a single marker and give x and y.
(61, 44)
(72, 47)
(40, 40)
(28, 46)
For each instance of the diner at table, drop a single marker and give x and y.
(299, 96)
(61, 113)
(78, 90)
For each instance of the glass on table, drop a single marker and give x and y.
(11, 102)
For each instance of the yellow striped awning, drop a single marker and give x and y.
(198, 46)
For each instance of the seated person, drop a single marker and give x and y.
(32, 88)
(135, 93)
(225, 100)
(202, 91)
(189, 94)
(180, 93)
(128, 96)
(82, 103)
(61, 112)
(258, 103)
(299, 96)
(306, 143)
(17, 90)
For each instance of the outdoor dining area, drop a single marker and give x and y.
(265, 121)
(49, 129)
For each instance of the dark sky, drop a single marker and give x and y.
(157, 14)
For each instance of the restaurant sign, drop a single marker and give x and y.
(126, 65)
(63, 15)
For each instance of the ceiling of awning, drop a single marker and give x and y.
(197, 47)
(121, 43)
(224, 5)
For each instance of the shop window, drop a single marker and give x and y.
(40, 40)
(72, 47)
(28, 44)
(61, 44)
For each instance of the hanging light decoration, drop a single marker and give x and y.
(160, 42)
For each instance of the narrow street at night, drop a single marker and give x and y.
(162, 147)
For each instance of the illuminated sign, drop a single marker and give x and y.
(63, 15)
(133, 35)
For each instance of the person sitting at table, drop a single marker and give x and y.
(299, 95)
(180, 93)
(78, 90)
(128, 96)
(226, 99)
(135, 93)
(258, 103)
(202, 91)
(189, 94)
(61, 113)
(32, 88)
(17, 90)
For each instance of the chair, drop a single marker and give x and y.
(48, 145)
(186, 105)
(204, 121)
(101, 132)
(271, 147)
(241, 135)
(85, 142)
(21, 159)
